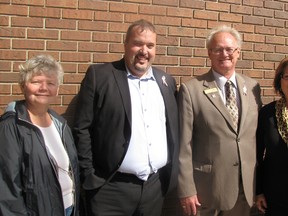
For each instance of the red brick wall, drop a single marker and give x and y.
(81, 32)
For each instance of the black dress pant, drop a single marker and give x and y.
(126, 195)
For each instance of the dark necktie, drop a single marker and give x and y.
(231, 103)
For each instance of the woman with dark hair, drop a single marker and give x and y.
(272, 150)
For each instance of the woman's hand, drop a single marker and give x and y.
(261, 203)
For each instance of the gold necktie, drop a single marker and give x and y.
(231, 103)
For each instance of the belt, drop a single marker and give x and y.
(129, 178)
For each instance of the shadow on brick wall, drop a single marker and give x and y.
(70, 111)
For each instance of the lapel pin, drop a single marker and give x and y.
(164, 81)
(210, 90)
(244, 90)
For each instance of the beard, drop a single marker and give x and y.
(140, 63)
(141, 68)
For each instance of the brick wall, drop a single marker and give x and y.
(81, 32)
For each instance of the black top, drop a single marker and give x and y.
(272, 157)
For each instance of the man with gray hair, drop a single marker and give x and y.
(218, 119)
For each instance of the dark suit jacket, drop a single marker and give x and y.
(272, 157)
(212, 153)
(103, 123)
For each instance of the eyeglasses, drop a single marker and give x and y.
(284, 76)
(228, 50)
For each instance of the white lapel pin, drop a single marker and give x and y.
(164, 81)
(244, 90)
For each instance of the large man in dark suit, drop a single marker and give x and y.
(217, 156)
(126, 130)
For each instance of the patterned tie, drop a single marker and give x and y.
(231, 103)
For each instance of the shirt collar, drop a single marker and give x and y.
(221, 80)
(147, 76)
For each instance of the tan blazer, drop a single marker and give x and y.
(213, 155)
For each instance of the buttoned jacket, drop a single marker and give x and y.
(214, 156)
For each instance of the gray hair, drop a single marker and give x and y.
(223, 28)
(40, 64)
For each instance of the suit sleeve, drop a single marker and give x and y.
(186, 185)
(11, 188)
(84, 116)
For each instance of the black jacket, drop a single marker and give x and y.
(103, 123)
(272, 158)
(28, 181)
